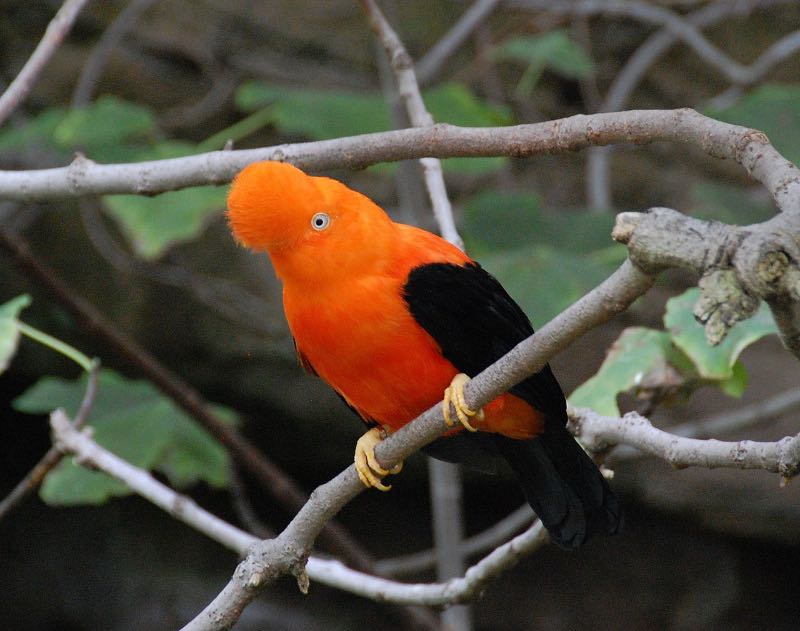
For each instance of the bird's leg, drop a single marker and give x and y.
(454, 394)
(369, 469)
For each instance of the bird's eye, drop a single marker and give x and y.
(320, 221)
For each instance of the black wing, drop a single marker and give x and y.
(475, 322)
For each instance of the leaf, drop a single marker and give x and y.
(715, 363)
(553, 50)
(637, 352)
(318, 114)
(499, 221)
(134, 421)
(325, 114)
(39, 130)
(543, 280)
(546, 261)
(9, 331)
(107, 122)
(494, 220)
(736, 384)
(153, 224)
(773, 109)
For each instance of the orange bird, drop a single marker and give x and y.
(394, 319)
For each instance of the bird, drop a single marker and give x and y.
(396, 319)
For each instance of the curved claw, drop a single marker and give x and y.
(454, 394)
(368, 468)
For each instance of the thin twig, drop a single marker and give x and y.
(493, 536)
(34, 478)
(56, 31)
(271, 477)
(411, 96)
(599, 432)
(658, 16)
(108, 42)
(431, 63)
(622, 87)
(757, 413)
(67, 438)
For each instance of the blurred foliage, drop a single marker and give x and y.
(545, 260)
(9, 329)
(114, 130)
(553, 51)
(729, 203)
(773, 109)
(324, 114)
(135, 422)
(667, 366)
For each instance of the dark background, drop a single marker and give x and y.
(701, 549)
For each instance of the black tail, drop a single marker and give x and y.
(563, 486)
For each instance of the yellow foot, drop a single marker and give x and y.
(454, 394)
(369, 470)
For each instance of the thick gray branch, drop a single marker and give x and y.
(738, 265)
(748, 147)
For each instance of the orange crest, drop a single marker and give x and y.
(270, 204)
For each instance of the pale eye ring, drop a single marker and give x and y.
(320, 221)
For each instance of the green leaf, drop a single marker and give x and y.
(715, 363)
(325, 114)
(543, 280)
(553, 50)
(637, 353)
(134, 421)
(773, 109)
(500, 221)
(39, 130)
(106, 122)
(153, 224)
(9, 328)
(736, 384)
(318, 114)
(494, 220)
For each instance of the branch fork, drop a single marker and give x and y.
(737, 266)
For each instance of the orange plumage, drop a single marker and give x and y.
(342, 294)
(388, 315)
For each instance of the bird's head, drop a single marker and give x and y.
(301, 219)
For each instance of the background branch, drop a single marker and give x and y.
(33, 480)
(271, 477)
(56, 31)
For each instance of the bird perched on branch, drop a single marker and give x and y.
(396, 319)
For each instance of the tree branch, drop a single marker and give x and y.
(419, 116)
(271, 477)
(69, 439)
(738, 265)
(601, 432)
(431, 63)
(268, 560)
(748, 147)
(56, 31)
(33, 480)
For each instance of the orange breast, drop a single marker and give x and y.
(365, 344)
